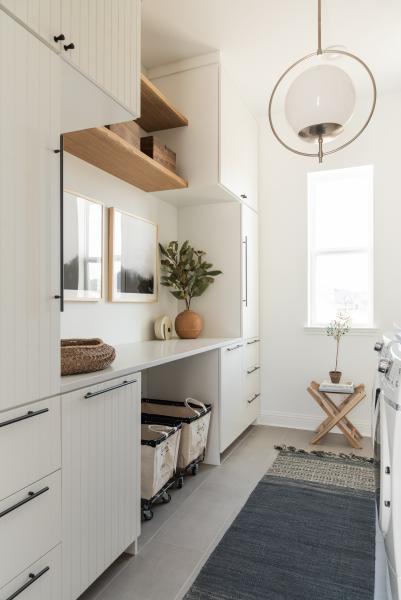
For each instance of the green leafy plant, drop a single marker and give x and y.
(337, 329)
(186, 271)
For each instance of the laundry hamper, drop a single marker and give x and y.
(159, 453)
(195, 419)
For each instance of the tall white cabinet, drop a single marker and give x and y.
(29, 217)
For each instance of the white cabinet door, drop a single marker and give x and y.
(238, 144)
(30, 444)
(41, 581)
(29, 217)
(105, 39)
(232, 402)
(30, 525)
(250, 274)
(43, 17)
(101, 478)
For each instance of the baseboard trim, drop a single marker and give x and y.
(307, 422)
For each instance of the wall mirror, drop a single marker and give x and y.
(83, 247)
(133, 258)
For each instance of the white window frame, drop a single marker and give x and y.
(313, 178)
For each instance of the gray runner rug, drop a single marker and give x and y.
(307, 532)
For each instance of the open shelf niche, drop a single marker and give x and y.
(111, 153)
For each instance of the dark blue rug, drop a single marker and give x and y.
(307, 532)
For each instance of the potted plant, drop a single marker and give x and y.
(188, 274)
(337, 329)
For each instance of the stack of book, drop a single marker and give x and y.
(344, 387)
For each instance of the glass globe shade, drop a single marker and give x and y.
(319, 103)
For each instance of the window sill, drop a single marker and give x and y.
(368, 331)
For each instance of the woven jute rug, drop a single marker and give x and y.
(307, 532)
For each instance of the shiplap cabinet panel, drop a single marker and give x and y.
(101, 479)
(30, 448)
(43, 17)
(29, 217)
(47, 584)
(106, 38)
(33, 529)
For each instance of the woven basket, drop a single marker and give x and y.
(85, 356)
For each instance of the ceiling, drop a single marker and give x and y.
(260, 38)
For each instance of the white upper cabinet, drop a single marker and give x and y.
(218, 152)
(29, 217)
(238, 144)
(99, 38)
(102, 42)
(43, 17)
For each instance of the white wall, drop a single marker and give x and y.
(117, 323)
(291, 356)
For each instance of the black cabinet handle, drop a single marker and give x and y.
(69, 46)
(28, 415)
(244, 196)
(31, 496)
(109, 389)
(253, 398)
(61, 203)
(253, 342)
(59, 38)
(234, 348)
(253, 370)
(32, 579)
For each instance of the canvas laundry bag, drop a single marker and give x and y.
(195, 419)
(159, 453)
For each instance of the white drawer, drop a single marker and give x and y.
(30, 444)
(252, 393)
(41, 581)
(30, 525)
(252, 353)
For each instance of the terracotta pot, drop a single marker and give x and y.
(335, 376)
(188, 324)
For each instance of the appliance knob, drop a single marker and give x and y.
(379, 346)
(384, 366)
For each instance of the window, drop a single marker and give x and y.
(341, 245)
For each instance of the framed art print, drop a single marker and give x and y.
(133, 258)
(83, 247)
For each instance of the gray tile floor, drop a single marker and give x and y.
(176, 543)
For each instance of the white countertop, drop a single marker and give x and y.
(132, 358)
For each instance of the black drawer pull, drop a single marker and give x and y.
(32, 579)
(253, 398)
(253, 342)
(234, 348)
(109, 389)
(31, 496)
(28, 415)
(69, 46)
(59, 38)
(253, 370)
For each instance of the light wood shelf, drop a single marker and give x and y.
(157, 113)
(107, 151)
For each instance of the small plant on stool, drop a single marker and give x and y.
(337, 329)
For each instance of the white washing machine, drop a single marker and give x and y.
(388, 460)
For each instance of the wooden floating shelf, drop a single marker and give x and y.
(107, 151)
(157, 113)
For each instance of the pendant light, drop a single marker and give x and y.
(321, 101)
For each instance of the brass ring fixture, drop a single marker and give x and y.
(320, 52)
